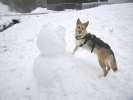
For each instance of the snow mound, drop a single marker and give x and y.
(51, 40)
(40, 10)
(63, 76)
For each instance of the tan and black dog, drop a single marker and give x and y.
(94, 44)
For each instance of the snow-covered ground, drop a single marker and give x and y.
(25, 74)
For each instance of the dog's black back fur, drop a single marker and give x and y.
(93, 41)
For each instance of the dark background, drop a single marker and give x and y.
(29, 5)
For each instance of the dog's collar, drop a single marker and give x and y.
(88, 37)
(79, 38)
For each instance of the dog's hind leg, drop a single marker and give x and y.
(107, 68)
(103, 66)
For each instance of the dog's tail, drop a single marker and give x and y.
(113, 64)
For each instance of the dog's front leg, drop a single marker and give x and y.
(75, 49)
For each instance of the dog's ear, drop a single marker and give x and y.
(86, 23)
(78, 21)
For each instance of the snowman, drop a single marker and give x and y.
(59, 75)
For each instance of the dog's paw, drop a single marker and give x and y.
(73, 53)
(102, 76)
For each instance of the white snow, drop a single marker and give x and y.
(40, 10)
(28, 74)
(51, 40)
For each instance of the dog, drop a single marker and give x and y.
(97, 46)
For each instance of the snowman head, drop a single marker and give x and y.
(51, 40)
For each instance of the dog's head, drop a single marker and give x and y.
(80, 30)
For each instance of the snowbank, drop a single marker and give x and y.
(40, 10)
